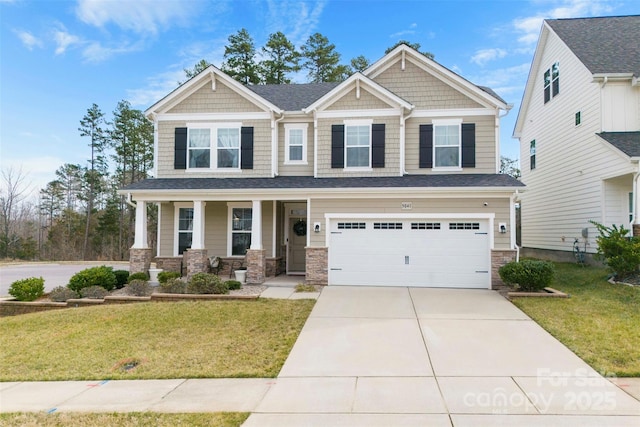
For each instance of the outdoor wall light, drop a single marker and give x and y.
(316, 227)
(502, 227)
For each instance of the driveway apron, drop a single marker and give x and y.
(371, 356)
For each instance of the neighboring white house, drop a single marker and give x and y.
(579, 132)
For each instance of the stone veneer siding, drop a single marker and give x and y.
(500, 257)
(139, 260)
(197, 261)
(636, 230)
(317, 261)
(256, 266)
(173, 263)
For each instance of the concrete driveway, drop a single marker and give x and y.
(54, 274)
(437, 357)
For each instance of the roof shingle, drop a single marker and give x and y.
(627, 142)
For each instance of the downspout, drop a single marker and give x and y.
(514, 244)
(634, 208)
(315, 144)
(498, 118)
(129, 202)
(274, 144)
(155, 144)
(403, 131)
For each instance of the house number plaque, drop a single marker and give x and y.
(406, 206)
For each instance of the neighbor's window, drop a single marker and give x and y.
(532, 154)
(446, 144)
(185, 229)
(240, 231)
(296, 143)
(228, 148)
(551, 82)
(578, 118)
(630, 207)
(199, 148)
(357, 146)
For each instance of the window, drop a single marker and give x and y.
(446, 143)
(296, 143)
(532, 154)
(352, 226)
(425, 226)
(630, 207)
(578, 118)
(464, 226)
(215, 147)
(240, 230)
(551, 82)
(357, 145)
(185, 229)
(387, 226)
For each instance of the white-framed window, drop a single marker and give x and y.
(630, 207)
(213, 146)
(532, 154)
(551, 82)
(357, 143)
(240, 224)
(295, 141)
(447, 144)
(183, 228)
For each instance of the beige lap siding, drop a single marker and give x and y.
(444, 206)
(295, 169)
(261, 151)
(367, 101)
(423, 90)
(222, 100)
(485, 145)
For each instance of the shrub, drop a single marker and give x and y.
(94, 276)
(621, 253)
(164, 276)
(122, 276)
(138, 276)
(61, 294)
(93, 292)
(529, 275)
(206, 283)
(29, 289)
(233, 285)
(173, 286)
(139, 288)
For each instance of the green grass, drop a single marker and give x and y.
(71, 419)
(600, 322)
(204, 339)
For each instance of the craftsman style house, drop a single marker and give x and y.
(579, 131)
(388, 178)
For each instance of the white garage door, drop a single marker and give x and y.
(409, 252)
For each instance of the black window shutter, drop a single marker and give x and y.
(180, 152)
(337, 146)
(246, 148)
(377, 145)
(426, 146)
(468, 145)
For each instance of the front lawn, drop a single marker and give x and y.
(600, 322)
(70, 419)
(204, 339)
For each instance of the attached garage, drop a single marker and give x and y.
(426, 252)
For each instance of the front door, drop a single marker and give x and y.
(297, 243)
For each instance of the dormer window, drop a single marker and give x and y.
(551, 82)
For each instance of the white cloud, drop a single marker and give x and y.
(64, 40)
(140, 16)
(483, 56)
(529, 27)
(96, 52)
(297, 19)
(28, 40)
(38, 171)
(157, 87)
(409, 31)
(505, 81)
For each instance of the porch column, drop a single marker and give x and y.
(140, 252)
(256, 255)
(196, 256)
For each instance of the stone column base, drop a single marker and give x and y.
(317, 266)
(500, 257)
(256, 266)
(636, 230)
(197, 261)
(139, 260)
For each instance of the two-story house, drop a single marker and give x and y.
(388, 178)
(579, 131)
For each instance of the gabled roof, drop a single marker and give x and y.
(436, 69)
(605, 45)
(356, 79)
(209, 76)
(293, 97)
(309, 182)
(627, 142)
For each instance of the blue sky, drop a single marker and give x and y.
(57, 57)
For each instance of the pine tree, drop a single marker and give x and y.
(239, 58)
(322, 60)
(282, 59)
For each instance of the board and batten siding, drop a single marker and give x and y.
(444, 206)
(216, 228)
(221, 100)
(620, 107)
(294, 169)
(261, 152)
(391, 150)
(564, 191)
(616, 200)
(421, 89)
(485, 145)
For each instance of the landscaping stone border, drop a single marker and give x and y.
(14, 308)
(549, 293)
